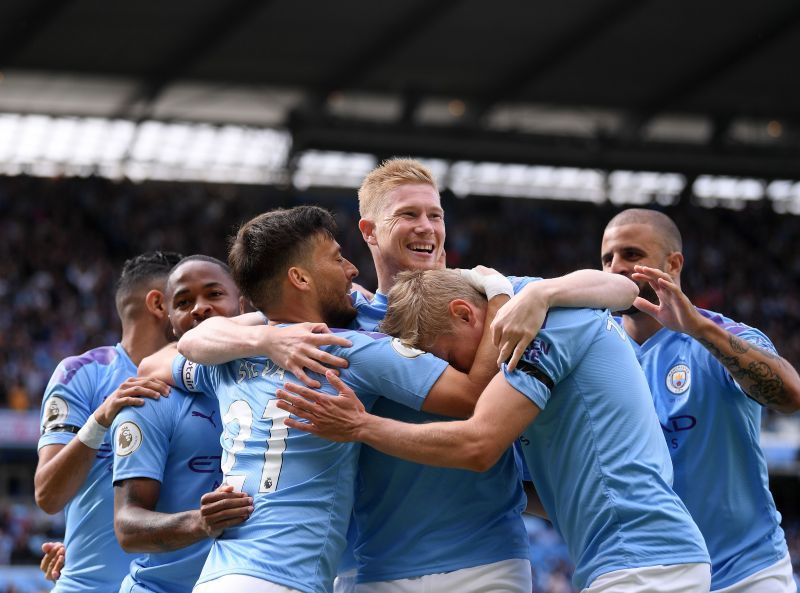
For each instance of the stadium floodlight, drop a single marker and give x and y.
(645, 187)
(332, 169)
(784, 196)
(527, 181)
(727, 192)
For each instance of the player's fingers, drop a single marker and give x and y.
(229, 523)
(296, 424)
(305, 392)
(222, 493)
(506, 348)
(56, 572)
(296, 404)
(330, 339)
(326, 358)
(227, 514)
(298, 372)
(646, 306)
(138, 391)
(157, 385)
(340, 386)
(211, 509)
(517, 355)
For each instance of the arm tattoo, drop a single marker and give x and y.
(758, 379)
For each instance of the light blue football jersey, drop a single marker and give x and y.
(302, 485)
(414, 520)
(712, 432)
(595, 452)
(175, 441)
(94, 560)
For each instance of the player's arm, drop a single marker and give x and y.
(762, 374)
(296, 347)
(139, 528)
(521, 319)
(62, 469)
(501, 414)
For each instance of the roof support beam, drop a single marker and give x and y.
(671, 94)
(23, 28)
(586, 32)
(208, 37)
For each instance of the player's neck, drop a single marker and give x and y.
(297, 312)
(141, 340)
(385, 277)
(640, 326)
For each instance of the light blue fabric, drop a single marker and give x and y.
(94, 560)
(595, 451)
(712, 431)
(415, 520)
(173, 440)
(302, 485)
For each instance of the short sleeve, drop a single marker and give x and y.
(140, 437)
(385, 367)
(551, 356)
(194, 377)
(67, 403)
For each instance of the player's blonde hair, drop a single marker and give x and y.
(389, 175)
(418, 305)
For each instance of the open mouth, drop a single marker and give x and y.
(425, 248)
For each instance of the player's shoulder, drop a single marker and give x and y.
(578, 317)
(92, 360)
(737, 328)
(520, 282)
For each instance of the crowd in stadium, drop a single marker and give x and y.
(58, 299)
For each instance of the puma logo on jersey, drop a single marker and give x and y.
(210, 417)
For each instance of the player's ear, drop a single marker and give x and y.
(367, 228)
(156, 304)
(675, 264)
(460, 310)
(243, 302)
(299, 278)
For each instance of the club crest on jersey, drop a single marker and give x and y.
(129, 437)
(56, 412)
(678, 379)
(405, 351)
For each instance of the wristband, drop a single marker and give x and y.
(92, 433)
(491, 285)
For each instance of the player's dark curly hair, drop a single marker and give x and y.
(266, 246)
(148, 270)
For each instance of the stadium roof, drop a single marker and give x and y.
(693, 86)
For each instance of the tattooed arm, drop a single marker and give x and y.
(139, 528)
(762, 374)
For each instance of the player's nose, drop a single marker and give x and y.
(202, 310)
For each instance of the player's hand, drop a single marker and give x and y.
(53, 560)
(674, 309)
(334, 417)
(129, 393)
(517, 323)
(223, 508)
(363, 291)
(297, 347)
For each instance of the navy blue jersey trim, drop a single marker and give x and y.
(536, 373)
(63, 428)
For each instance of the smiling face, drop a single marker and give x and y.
(332, 276)
(198, 290)
(408, 233)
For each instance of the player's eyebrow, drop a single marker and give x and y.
(183, 291)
